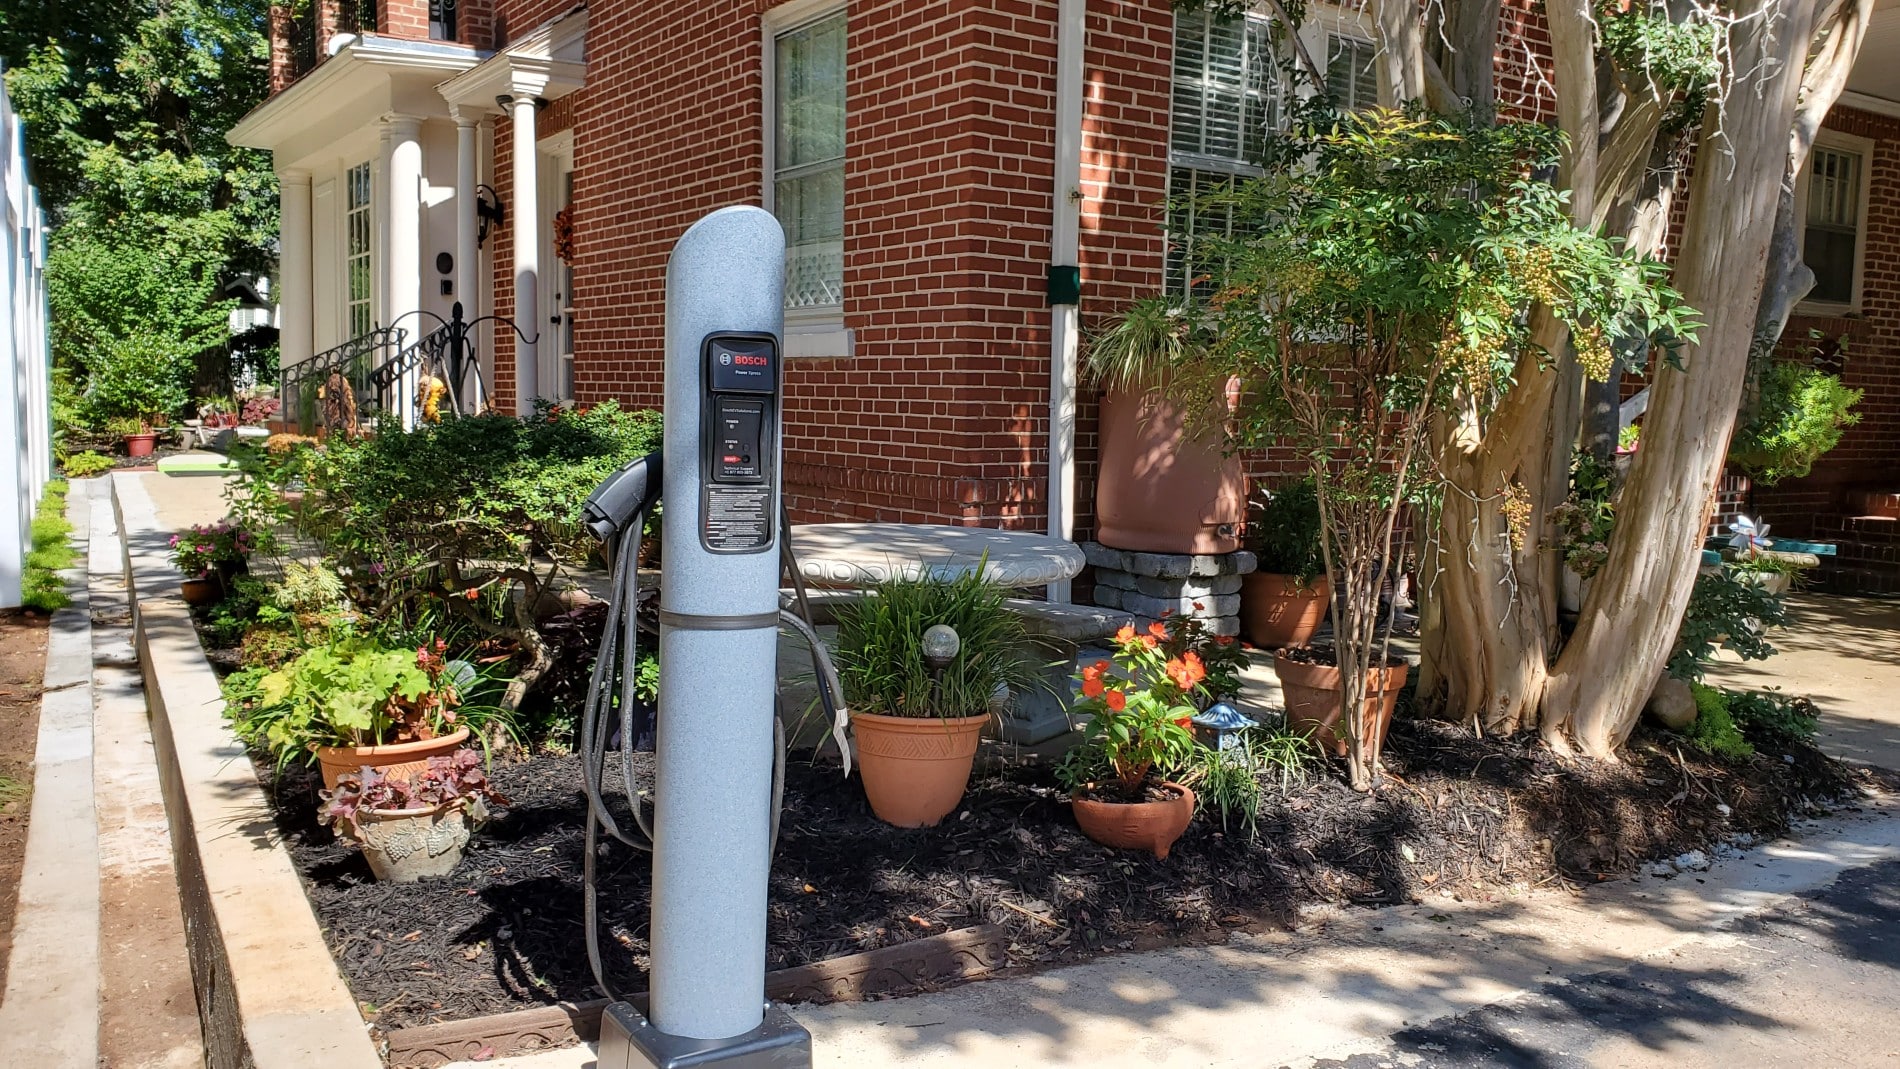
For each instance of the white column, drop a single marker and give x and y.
(467, 269)
(404, 259)
(524, 218)
(296, 314)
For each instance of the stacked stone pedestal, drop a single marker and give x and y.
(1150, 586)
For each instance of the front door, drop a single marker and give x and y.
(557, 271)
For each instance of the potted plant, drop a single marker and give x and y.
(352, 704)
(1164, 482)
(416, 827)
(1283, 601)
(1140, 732)
(210, 555)
(922, 662)
(138, 437)
(1310, 685)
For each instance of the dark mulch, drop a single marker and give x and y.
(22, 671)
(1457, 813)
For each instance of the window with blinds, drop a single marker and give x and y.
(1225, 101)
(1831, 231)
(358, 228)
(1351, 79)
(808, 97)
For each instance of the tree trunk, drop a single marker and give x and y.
(1630, 617)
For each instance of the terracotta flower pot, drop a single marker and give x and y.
(1159, 490)
(203, 591)
(1314, 703)
(1278, 611)
(398, 760)
(140, 445)
(915, 768)
(405, 845)
(1137, 825)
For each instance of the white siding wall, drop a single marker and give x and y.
(26, 453)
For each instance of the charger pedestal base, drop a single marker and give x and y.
(629, 1041)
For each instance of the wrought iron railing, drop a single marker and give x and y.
(333, 386)
(376, 378)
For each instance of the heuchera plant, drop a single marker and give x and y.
(1141, 722)
(207, 547)
(450, 779)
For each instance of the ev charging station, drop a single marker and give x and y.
(719, 618)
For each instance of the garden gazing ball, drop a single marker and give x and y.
(941, 643)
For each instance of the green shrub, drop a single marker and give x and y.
(1284, 530)
(144, 377)
(1725, 610)
(1773, 720)
(1714, 731)
(1800, 416)
(880, 647)
(87, 464)
(42, 590)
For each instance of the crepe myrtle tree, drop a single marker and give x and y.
(1370, 293)
(1639, 90)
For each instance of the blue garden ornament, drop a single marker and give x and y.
(1221, 725)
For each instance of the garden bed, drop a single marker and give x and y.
(1457, 815)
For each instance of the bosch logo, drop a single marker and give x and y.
(750, 361)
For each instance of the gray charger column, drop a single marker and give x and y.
(712, 848)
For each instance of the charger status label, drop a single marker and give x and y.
(735, 519)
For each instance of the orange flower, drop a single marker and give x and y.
(1158, 629)
(1150, 641)
(1184, 722)
(1198, 607)
(1117, 700)
(472, 594)
(1093, 671)
(1100, 667)
(1126, 634)
(1224, 640)
(1091, 686)
(1186, 671)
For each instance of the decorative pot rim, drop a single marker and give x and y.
(1180, 792)
(919, 722)
(1396, 663)
(426, 811)
(382, 749)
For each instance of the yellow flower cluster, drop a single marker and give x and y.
(1593, 352)
(1517, 513)
(1536, 271)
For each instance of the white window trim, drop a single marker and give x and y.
(1864, 148)
(817, 333)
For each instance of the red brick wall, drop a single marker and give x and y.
(403, 18)
(1869, 453)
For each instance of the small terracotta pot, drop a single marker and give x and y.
(1277, 611)
(915, 768)
(1137, 825)
(398, 760)
(140, 445)
(205, 591)
(1314, 703)
(405, 845)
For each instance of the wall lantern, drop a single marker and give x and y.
(489, 213)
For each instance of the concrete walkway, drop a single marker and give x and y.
(1845, 654)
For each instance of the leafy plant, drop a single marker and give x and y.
(1713, 731)
(348, 692)
(1221, 657)
(1800, 415)
(308, 587)
(1725, 610)
(450, 779)
(1140, 722)
(1284, 530)
(42, 589)
(880, 657)
(1773, 720)
(145, 377)
(84, 465)
(1587, 518)
(1228, 782)
(209, 547)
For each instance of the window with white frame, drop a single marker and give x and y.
(1833, 225)
(358, 226)
(1351, 79)
(808, 100)
(1225, 92)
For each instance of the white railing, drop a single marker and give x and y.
(26, 416)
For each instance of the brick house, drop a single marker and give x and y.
(940, 166)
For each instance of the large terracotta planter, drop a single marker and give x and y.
(1277, 610)
(406, 845)
(398, 760)
(140, 445)
(1158, 490)
(1137, 825)
(204, 591)
(1314, 703)
(915, 769)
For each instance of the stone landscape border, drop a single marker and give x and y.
(269, 993)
